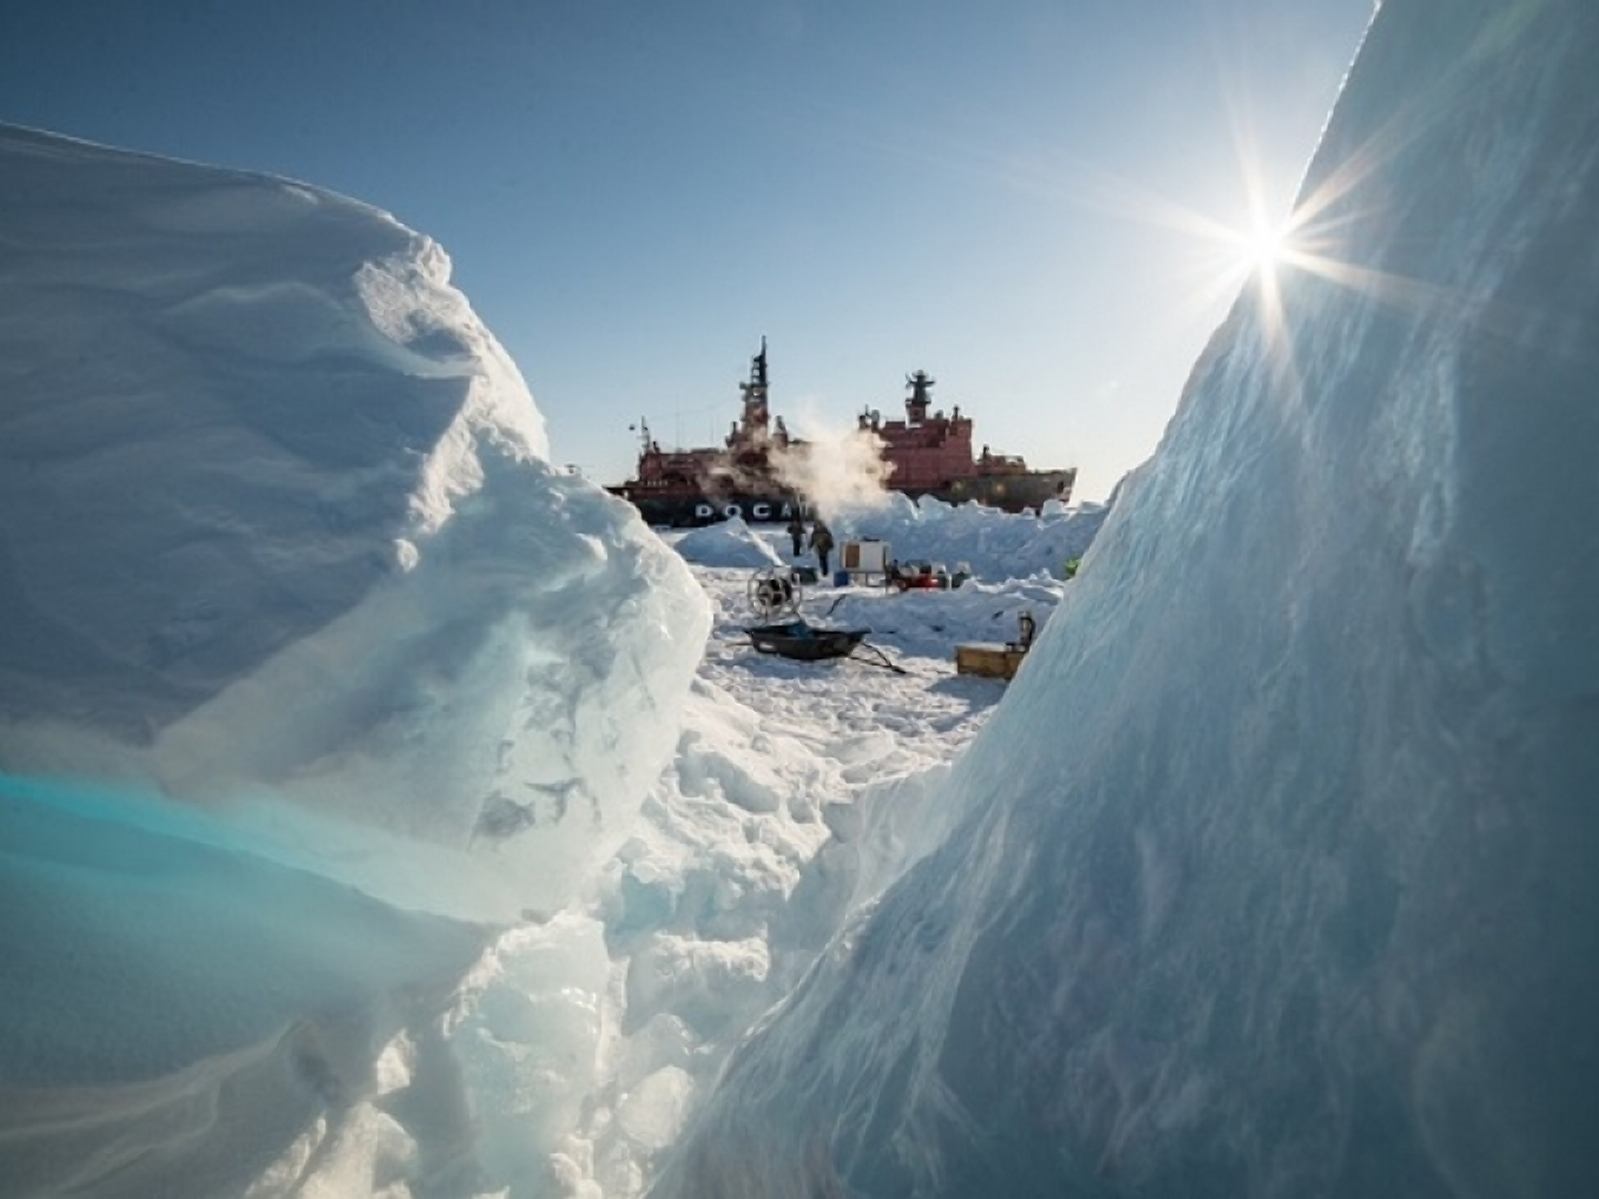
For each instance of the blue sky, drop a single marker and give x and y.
(634, 193)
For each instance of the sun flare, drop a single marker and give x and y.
(1265, 245)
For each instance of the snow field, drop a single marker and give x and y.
(798, 792)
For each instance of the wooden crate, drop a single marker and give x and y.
(988, 658)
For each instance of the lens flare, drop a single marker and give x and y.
(1265, 245)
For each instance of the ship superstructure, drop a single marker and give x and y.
(710, 483)
(931, 454)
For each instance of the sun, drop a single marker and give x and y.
(1265, 246)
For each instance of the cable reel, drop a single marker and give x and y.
(774, 591)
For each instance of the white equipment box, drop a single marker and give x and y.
(865, 558)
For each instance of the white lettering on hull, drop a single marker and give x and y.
(705, 512)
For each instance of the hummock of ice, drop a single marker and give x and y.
(991, 545)
(354, 672)
(727, 543)
(1276, 871)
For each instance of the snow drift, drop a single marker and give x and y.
(1275, 874)
(354, 672)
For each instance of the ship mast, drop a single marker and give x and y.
(756, 413)
(916, 406)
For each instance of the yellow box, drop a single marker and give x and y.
(988, 658)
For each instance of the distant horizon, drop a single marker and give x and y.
(1023, 202)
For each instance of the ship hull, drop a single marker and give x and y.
(696, 510)
(1009, 493)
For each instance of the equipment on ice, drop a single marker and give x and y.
(775, 592)
(998, 661)
(797, 639)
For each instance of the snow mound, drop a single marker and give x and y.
(1273, 872)
(728, 543)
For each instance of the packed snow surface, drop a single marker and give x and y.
(1273, 875)
(798, 792)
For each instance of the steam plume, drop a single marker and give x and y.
(835, 469)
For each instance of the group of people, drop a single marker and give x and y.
(821, 540)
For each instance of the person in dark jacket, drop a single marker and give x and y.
(796, 533)
(822, 543)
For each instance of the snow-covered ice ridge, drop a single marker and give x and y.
(350, 678)
(1276, 870)
(276, 517)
